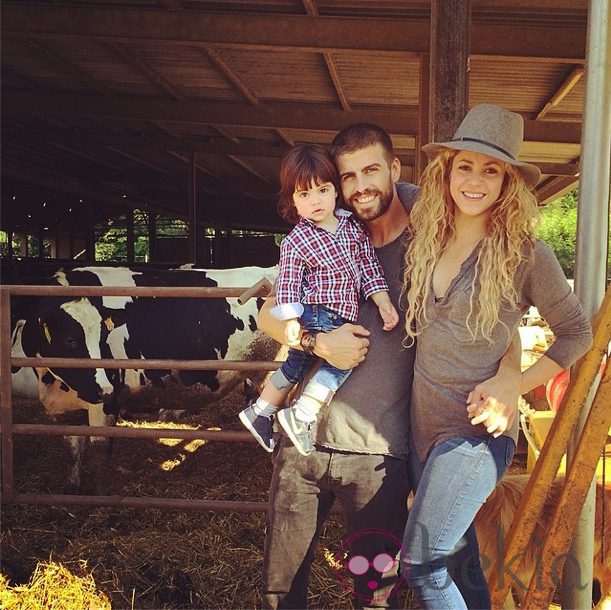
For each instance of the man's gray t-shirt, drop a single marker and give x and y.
(370, 411)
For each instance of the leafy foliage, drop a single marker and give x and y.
(559, 228)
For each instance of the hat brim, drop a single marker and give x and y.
(531, 173)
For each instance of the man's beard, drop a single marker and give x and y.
(372, 212)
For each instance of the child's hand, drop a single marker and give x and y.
(292, 332)
(389, 315)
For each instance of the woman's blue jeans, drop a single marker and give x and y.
(455, 481)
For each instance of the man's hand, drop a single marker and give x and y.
(345, 347)
(494, 402)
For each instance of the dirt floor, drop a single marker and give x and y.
(157, 558)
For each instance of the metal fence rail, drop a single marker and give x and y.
(8, 429)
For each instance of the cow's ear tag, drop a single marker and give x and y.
(47, 332)
(110, 325)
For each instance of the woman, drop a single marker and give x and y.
(473, 268)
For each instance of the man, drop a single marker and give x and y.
(362, 437)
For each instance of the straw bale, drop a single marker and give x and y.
(53, 587)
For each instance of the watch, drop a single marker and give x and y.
(308, 341)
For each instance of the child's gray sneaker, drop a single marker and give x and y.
(260, 426)
(298, 431)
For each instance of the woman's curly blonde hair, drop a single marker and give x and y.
(508, 242)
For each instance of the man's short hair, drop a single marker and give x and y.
(361, 135)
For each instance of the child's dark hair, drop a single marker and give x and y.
(301, 167)
(361, 135)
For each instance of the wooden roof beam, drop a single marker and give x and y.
(314, 116)
(208, 145)
(84, 155)
(312, 9)
(320, 117)
(144, 178)
(251, 170)
(337, 82)
(173, 4)
(220, 63)
(262, 215)
(198, 165)
(223, 132)
(137, 62)
(559, 169)
(138, 160)
(9, 74)
(285, 137)
(165, 129)
(68, 68)
(557, 42)
(227, 72)
(555, 187)
(572, 79)
(85, 190)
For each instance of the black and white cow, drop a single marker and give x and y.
(65, 328)
(181, 328)
(148, 327)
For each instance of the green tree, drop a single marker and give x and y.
(559, 228)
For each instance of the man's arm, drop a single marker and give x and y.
(494, 402)
(343, 348)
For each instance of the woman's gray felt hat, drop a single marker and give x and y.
(493, 131)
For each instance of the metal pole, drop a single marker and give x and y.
(6, 401)
(129, 220)
(193, 228)
(9, 232)
(590, 267)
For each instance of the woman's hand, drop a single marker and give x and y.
(496, 416)
(494, 402)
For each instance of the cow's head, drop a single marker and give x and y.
(74, 329)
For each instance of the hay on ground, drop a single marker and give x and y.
(53, 587)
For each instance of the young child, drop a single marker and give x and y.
(326, 262)
(472, 269)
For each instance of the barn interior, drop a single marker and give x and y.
(132, 114)
(128, 114)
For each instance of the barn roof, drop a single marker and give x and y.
(108, 101)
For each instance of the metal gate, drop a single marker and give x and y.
(8, 428)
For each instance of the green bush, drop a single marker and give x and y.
(559, 228)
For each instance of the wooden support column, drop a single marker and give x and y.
(89, 236)
(580, 474)
(423, 137)
(9, 233)
(192, 193)
(22, 241)
(546, 467)
(152, 226)
(71, 241)
(129, 219)
(449, 66)
(41, 242)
